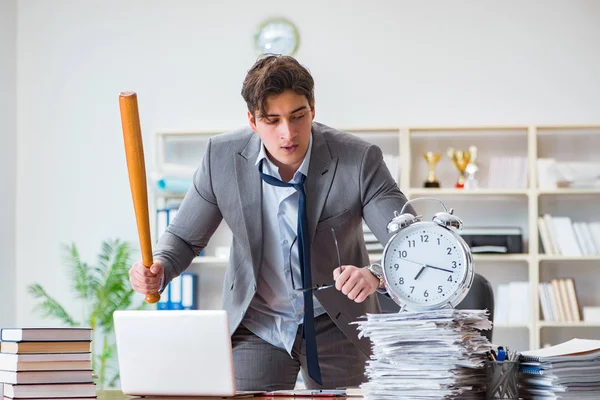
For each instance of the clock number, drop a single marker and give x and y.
(403, 253)
(426, 294)
(449, 278)
(440, 290)
(412, 289)
(401, 281)
(438, 239)
(425, 238)
(449, 250)
(411, 243)
(453, 264)
(396, 266)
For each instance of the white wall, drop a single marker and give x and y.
(375, 64)
(8, 159)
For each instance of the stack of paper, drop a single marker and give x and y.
(426, 355)
(570, 370)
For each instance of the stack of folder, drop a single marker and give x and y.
(426, 355)
(570, 370)
(46, 363)
(180, 294)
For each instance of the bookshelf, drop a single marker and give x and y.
(489, 205)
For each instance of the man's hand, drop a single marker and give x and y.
(146, 280)
(356, 283)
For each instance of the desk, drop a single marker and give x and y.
(117, 395)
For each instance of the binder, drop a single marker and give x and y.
(164, 216)
(175, 294)
(165, 302)
(188, 291)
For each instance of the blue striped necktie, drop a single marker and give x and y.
(308, 330)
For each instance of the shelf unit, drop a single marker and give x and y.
(512, 206)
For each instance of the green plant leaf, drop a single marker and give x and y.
(115, 292)
(49, 307)
(113, 381)
(83, 277)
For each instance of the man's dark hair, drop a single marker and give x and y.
(272, 74)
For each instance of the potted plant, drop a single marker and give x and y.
(104, 288)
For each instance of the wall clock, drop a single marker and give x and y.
(277, 36)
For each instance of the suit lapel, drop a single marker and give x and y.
(318, 182)
(250, 196)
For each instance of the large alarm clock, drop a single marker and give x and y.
(426, 264)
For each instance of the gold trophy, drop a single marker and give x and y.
(432, 159)
(460, 159)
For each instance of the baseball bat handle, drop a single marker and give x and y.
(134, 152)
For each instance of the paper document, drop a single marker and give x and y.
(307, 392)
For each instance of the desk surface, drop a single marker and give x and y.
(118, 395)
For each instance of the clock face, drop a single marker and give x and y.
(277, 36)
(426, 266)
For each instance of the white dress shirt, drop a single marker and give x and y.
(277, 309)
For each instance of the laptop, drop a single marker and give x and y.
(174, 353)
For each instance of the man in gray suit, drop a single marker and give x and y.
(288, 188)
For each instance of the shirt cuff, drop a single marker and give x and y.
(162, 282)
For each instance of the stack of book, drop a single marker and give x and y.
(564, 237)
(435, 354)
(558, 299)
(570, 370)
(46, 363)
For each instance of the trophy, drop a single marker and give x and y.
(460, 159)
(432, 159)
(471, 182)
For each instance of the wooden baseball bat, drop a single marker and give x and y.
(134, 151)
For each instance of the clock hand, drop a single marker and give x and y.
(425, 265)
(420, 272)
(441, 269)
(411, 261)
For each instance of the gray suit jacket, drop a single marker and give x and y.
(346, 183)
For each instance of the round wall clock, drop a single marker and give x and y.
(277, 36)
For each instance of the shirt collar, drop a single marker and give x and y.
(271, 169)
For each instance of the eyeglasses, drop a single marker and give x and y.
(318, 287)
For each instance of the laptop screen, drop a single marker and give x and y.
(177, 353)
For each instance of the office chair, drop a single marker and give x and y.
(480, 297)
